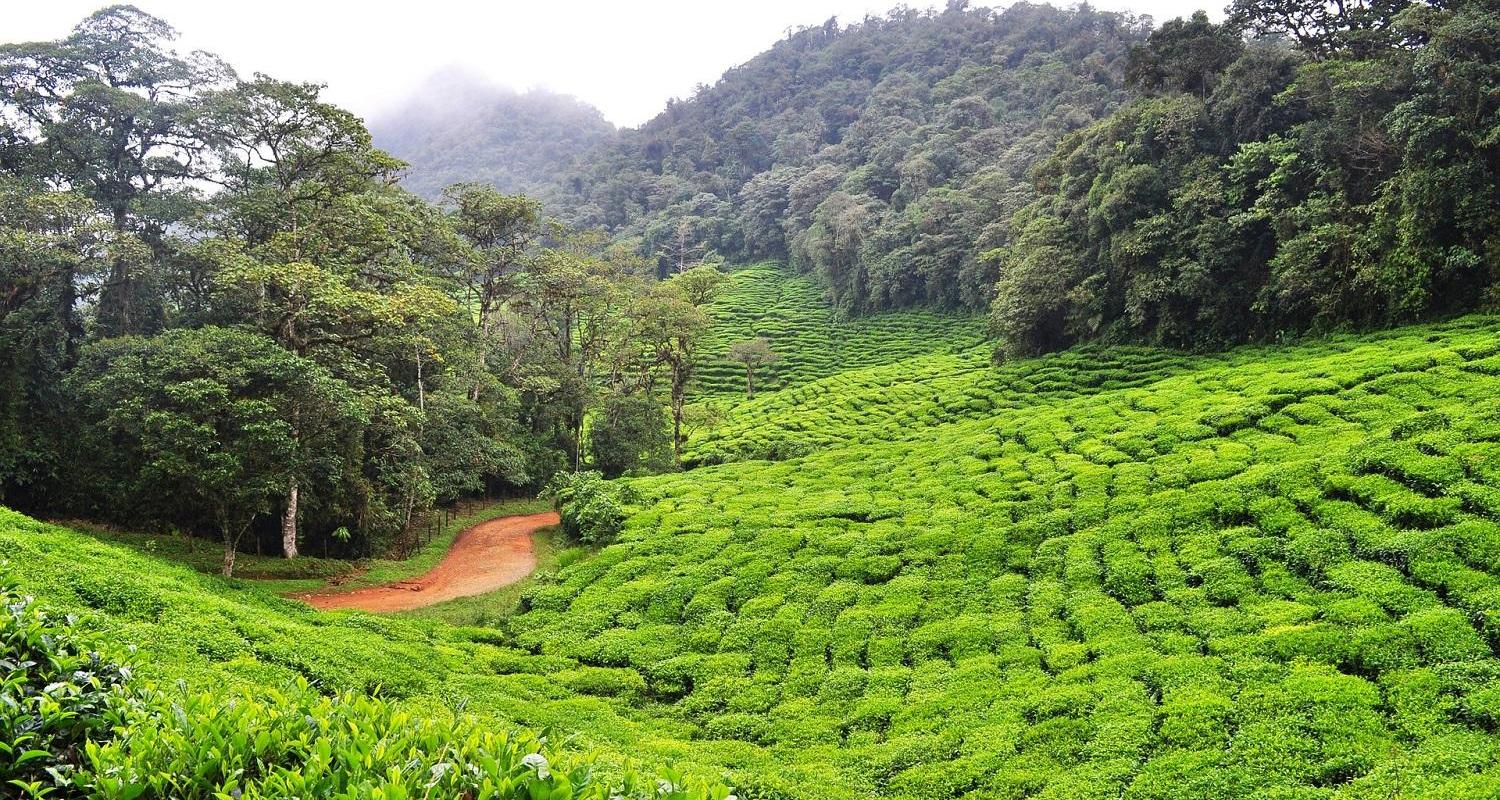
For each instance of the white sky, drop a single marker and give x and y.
(627, 57)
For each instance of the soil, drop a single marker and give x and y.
(486, 557)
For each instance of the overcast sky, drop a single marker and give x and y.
(627, 57)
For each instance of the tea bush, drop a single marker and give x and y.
(1107, 573)
(790, 311)
(1273, 572)
(56, 696)
(589, 507)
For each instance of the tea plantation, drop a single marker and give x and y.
(788, 310)
(1272, 574)
(1111, 573)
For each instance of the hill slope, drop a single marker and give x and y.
(458, 129)
(789, 310)
(1271, 573)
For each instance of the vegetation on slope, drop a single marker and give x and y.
(1300, 166)
(307, 357)
(902, 400)
(1266, 573)
(810, 341)
(456, 128)
(1348, 172)
(1270, 574)
(885, 156)
(227, 673)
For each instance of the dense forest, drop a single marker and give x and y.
(456, 128)
(885, 156)
(215, 286)
(1298, 166)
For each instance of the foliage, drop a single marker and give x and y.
(57, 696)
(430, 353)
(591, 508)
(884, 156)
(1254, 190)
(631, 435)
(769, 301)
(1263, 573)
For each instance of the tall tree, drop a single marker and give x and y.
(754, 354)
(310, 261)
(208, 416)
(114, 111)
(670, 328)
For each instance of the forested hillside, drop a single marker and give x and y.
(885, 156)
(456, 128)
(1298, 166)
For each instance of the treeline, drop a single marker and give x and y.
(1301, 166)
(885, 156)
(219, 314)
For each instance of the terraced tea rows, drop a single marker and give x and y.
(1275, 574)
(1272, 573)
(767, 300)
(899, 400)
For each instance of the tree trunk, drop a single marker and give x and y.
(679, 394)
(289, 522)
(421, 387)
(750, 383)
(228, 556)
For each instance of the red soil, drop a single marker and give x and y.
(486, 557)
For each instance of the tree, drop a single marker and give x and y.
(304, 258)
(698, 285)
(114, 112)
(669, 328)
(501, 231)
(1184, 55)
(209, 417)
(754, 354)
(630, 434)
(1326, 28)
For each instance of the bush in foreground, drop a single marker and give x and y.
(71, 725)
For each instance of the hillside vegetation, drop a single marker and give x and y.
(809, 340)
(1088, 175)
(457, 128)
(1268, 573)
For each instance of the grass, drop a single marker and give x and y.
(1125, 573)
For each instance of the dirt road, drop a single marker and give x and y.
(483, 558)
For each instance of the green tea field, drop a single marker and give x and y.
(1122, 573)
(789, 311)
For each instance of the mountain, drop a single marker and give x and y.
(885, 156)
(459, 128)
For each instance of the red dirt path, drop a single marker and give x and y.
(486, 557)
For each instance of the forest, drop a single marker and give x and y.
(955, 403)
(1081, 176)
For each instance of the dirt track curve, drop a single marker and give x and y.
(483, 558)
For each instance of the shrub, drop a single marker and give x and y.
(56, 696)
(589, 505)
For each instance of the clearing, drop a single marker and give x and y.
(486, 557)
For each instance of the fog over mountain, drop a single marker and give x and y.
(459, 127)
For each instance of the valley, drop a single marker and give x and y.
(996, 403)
